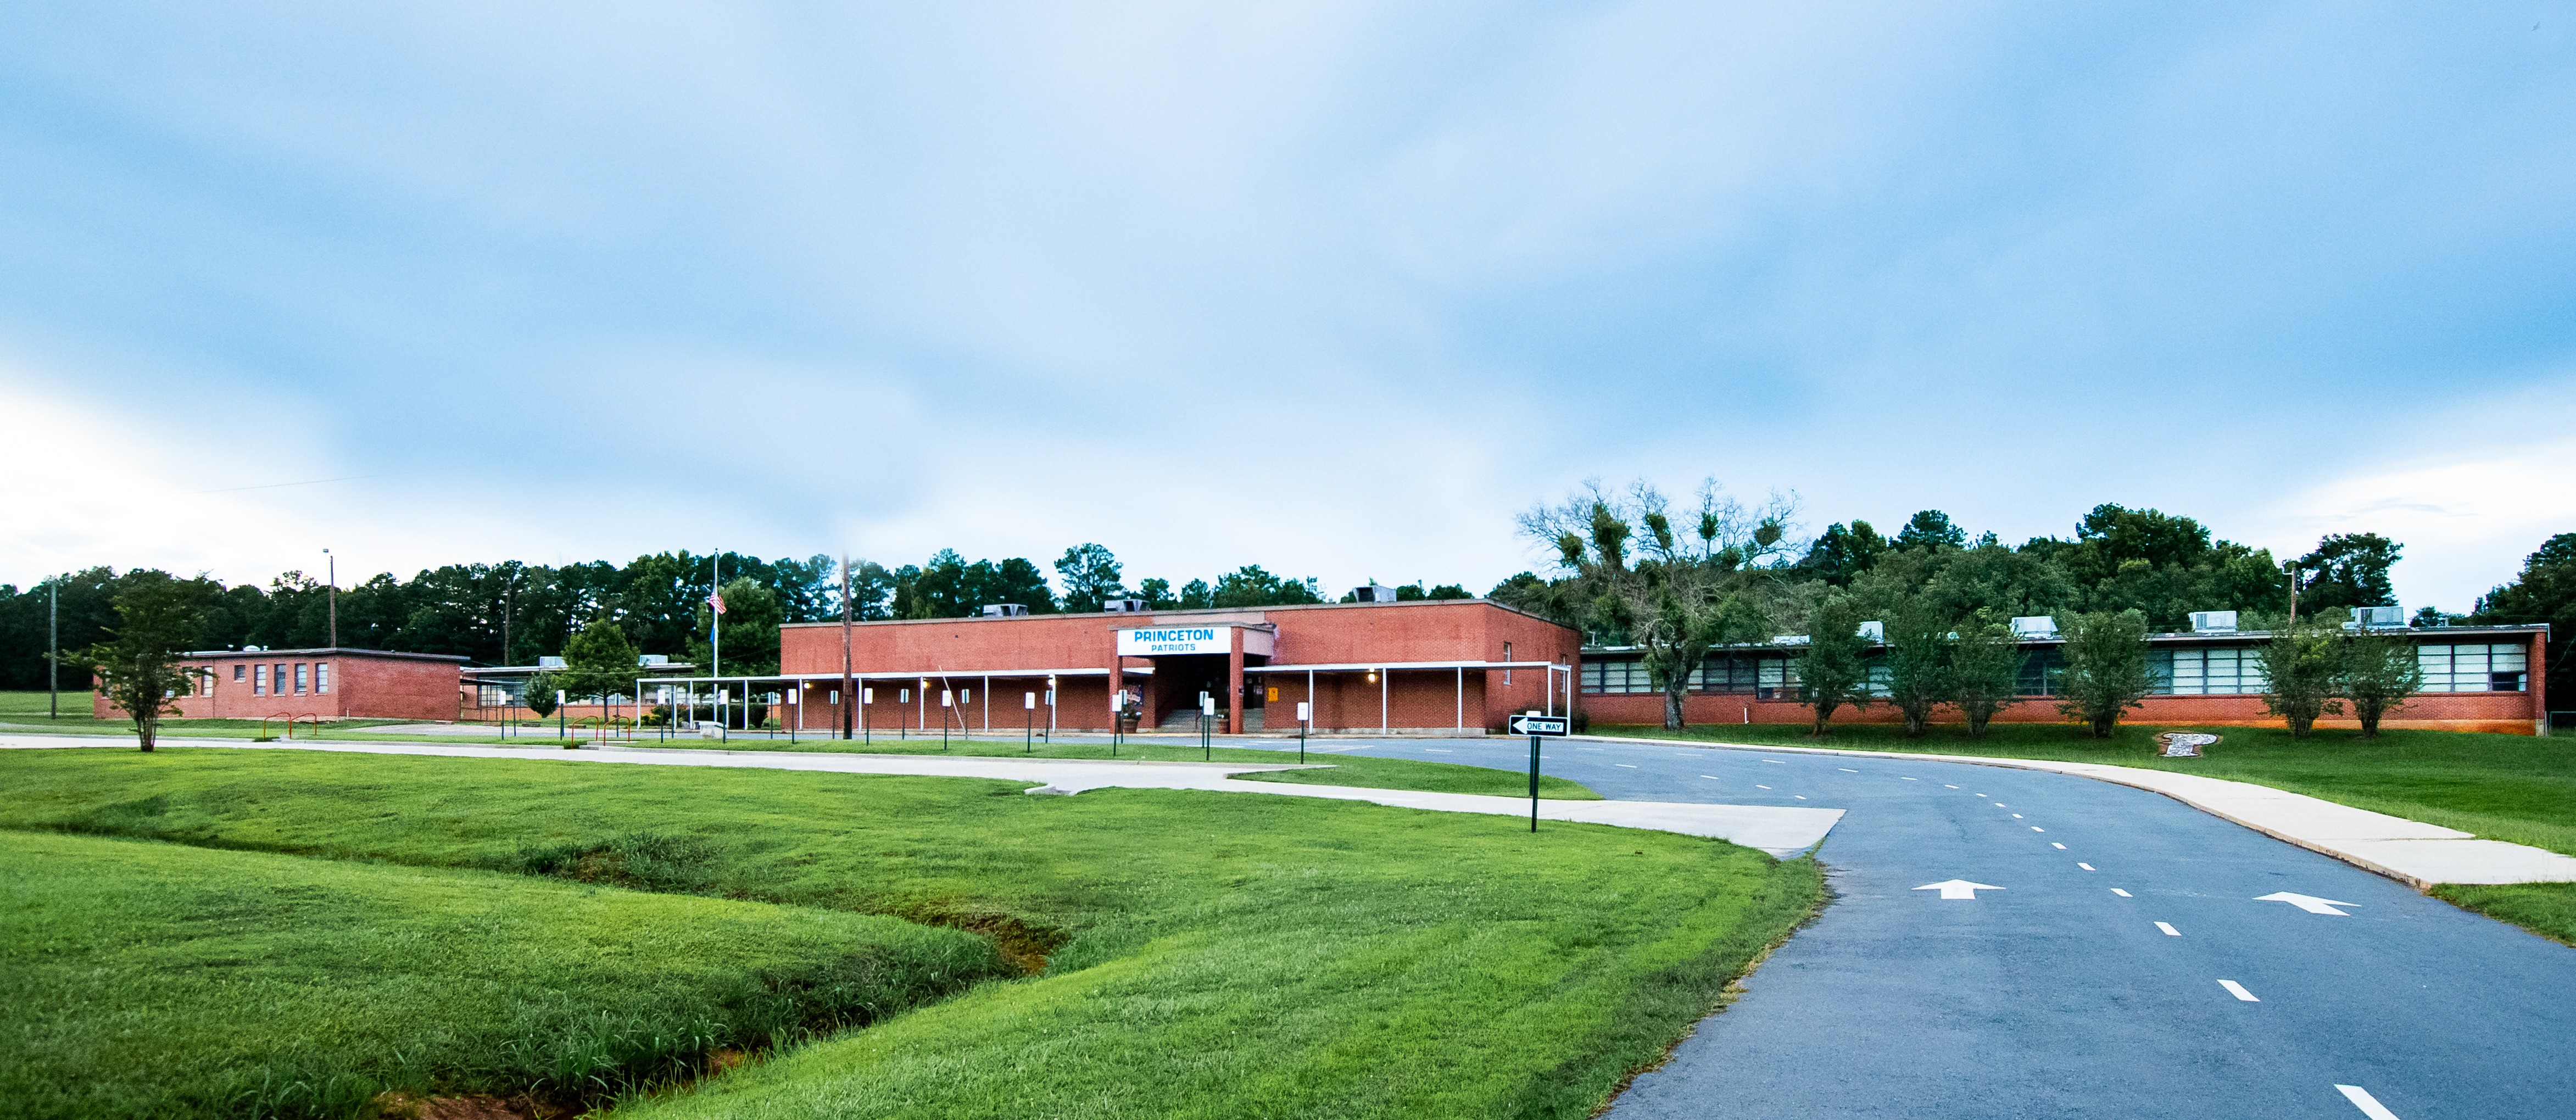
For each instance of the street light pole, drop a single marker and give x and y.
(334, 595)
(53, 649)
(849, 699)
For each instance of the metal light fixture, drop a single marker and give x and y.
(1372, 676)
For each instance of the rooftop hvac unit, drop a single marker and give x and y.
(550, 663)
(2378, 618)
(1788, 639)
(653, 660)
(1876, 632)
(2034, 626)
(1124, 606)
(1004, 610)
(1373, 593)
(2213, 622)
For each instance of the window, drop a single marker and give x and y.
(1775, 678)
(206, 680)
(1616, 677)
(237, 672)
(2215, 671)
(277, 673)
(1507, 656)
(259, 680)
(2042, 671)
(1728, 672)
(2480, 667)
(303, 677)
(321, 678)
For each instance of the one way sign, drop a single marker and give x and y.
(1537, 725)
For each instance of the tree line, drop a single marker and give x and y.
(511, 613)
(1677, 579)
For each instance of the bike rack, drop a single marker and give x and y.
(312, 722)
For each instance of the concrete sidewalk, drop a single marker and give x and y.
(2411, 852)
(1782, 832)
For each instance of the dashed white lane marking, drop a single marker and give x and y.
(2016, 816)
(1712, 777)
(2369, 1105)
(1623, 765)
(2062, 847)
(1901, 778)
(1999, 804)
(1946, 785)
(1439, 750)
(1758, 785)
(1799, 796)
(2238, 990)
(2170, 931)
(1775, 762)
(2122, 893)
(1847, 769)
(2085, 866)
(2036, 828)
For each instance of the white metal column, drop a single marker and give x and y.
(1311, 713)
(988, 701)
(1385, 680)
(1462, 698)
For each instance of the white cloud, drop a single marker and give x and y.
(2466, 517)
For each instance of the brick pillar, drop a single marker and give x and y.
(1234, 681)
(2538, 677)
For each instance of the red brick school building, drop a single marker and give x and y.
(320, 683)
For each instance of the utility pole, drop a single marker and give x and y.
(849, 699)
(334, 563)
(2294, 593)
(53, 649)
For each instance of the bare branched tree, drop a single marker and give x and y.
(1635, 578)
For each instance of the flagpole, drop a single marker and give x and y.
(715, 618)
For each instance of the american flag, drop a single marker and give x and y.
(717, 601)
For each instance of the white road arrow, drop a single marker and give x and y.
(1957, 888)
(2309, 903)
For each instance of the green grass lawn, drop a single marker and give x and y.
(2517, 788)
(141, 979)
(1195, 954)
(1347, 769)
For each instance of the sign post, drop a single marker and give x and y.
(1028, 722)
(946, 700)
(1302, 716)
(1207, 711)
(1537, 727)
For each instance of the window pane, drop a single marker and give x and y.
(321, 677)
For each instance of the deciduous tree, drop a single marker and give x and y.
(1985, 670)
(1919, 670)
(158, 617)
(1834, 669)
(2106, 667)
(2380, 671)
(2300, 667)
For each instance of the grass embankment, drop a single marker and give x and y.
(2516, 788)
(151, 979)
(1202, 954)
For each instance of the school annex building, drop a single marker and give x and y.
(1453, 666)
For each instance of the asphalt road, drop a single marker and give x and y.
(2094, 981)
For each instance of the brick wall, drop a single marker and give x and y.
(2508, 712)
(362, 687)
(1381, 633)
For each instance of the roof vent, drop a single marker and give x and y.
(1373, 593)
(1005, 610)
(2034, 626)
(550, 663)
(1124, 606)
(1876, 632)
(2377, 618)
(2213, 622)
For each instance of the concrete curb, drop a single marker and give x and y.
(2414, 853)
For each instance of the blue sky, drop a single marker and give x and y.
(1336, 290)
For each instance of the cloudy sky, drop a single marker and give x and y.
(1336, 290)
